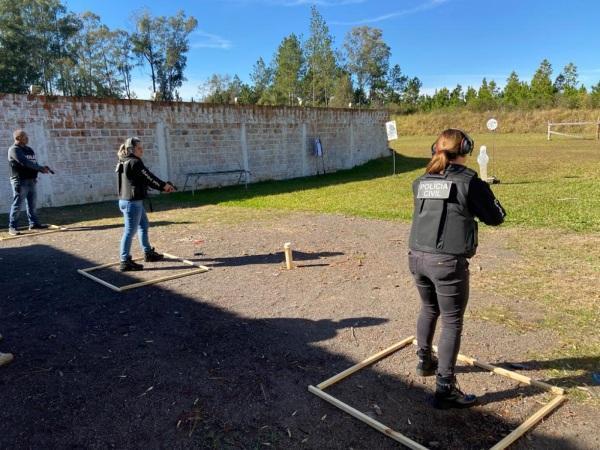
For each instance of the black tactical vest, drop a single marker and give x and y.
(442, 222)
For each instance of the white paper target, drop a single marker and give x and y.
(392, 132)
(492, 124)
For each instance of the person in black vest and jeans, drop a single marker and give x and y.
(24, 170)
(134, 180)
(443, 236)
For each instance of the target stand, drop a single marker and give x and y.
(197, 269)
(399, 437)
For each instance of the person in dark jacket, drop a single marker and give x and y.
(447, 200)
(24, 170)
(134, 179)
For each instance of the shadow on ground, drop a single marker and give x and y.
(155, 369)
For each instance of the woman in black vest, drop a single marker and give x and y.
(447, 199)
(134, 180)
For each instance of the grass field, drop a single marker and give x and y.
(550, 190)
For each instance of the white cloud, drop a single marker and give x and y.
(403, 12)
(203, 39)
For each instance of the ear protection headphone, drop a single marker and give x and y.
(466, 144)
(130, 144)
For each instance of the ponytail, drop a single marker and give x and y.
(438, 163)
(122, 152)
(445, 149)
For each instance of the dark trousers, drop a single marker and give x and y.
(443, 285)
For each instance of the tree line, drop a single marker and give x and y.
(44, 44)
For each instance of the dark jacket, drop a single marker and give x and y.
(445, 208)
(134, 179)
(22, 162)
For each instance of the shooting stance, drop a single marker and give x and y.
(134, 180)
(443, 236)
(24, 170)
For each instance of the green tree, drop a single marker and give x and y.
(396, 84)
(320, 60)
(595, 96)
(368, 59)
(289, 63)
(410, 95)
(163, 43)
(542, 89)
(567, 87)
(35, 43)
(343, 93)
(516, 92)
(261, 76)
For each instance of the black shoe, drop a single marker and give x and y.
(152, 256)
(130, 266)
(38, 226)
(448, 395)
(427, 365)
(13, 232)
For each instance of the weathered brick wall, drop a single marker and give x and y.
(79, 138)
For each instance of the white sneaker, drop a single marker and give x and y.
(5, 358)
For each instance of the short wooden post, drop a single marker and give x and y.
(287, 249)
(598, 128)
(549, 124)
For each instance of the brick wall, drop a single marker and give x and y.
(79, 137)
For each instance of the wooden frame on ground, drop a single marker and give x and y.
(509, 439)
(199, 269)
(51, 229)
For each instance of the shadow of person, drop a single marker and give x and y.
(266, 258)
(157, 368)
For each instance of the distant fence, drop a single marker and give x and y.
(577, 136)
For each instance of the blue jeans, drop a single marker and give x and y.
(22, 190)
(135, 217)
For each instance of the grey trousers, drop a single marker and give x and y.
(443, 285)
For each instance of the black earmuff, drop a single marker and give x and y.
(466, 144)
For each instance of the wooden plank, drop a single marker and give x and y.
(52, 229)
(529, 423)
(577, 136)
(367, 362)
(98, 280)
(367, 420)
(185, 261)
(571, 123)
(506, 373)
(201, 269)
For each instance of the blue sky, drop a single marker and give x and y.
(443, 42)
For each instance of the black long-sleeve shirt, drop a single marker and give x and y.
(134, 179)
(22, 162)
(483, 204)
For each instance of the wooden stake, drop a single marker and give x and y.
(529, 423)
(287, 249)
(366, 419)
(367, 362)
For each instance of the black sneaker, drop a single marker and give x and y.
(427, 365)
(448, 395)
(153, 256)
(13, 232)
(130, 266)
(38, 226)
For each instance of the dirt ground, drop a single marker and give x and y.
(223, 359)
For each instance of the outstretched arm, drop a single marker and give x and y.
(483, 204)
